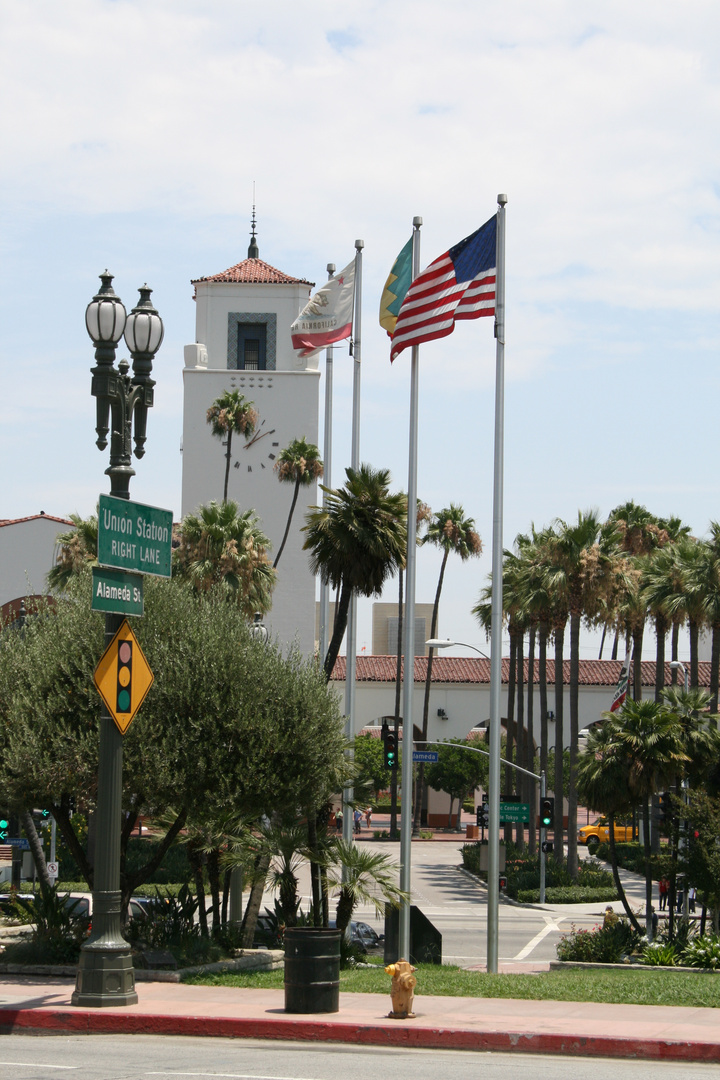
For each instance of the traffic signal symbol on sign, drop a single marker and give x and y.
(123, 677)
(547, 812)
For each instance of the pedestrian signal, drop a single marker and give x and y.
(547, 812)
(483, 815)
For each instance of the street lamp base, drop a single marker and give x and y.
(105, 979)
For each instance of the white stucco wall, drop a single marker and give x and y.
(27, 553)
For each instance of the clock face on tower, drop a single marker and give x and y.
(259, 452)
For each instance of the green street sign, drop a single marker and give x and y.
(132, 536)
(117, 591)
(514, 811)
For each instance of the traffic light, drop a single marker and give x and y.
(547, 813)
(390, 748)
(503, 881)
(483, 815)
(665, 808)
(547, 846)
(4, 829)
(124, 676)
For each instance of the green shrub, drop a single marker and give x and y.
(523, 877)
(569, 894)
(702, 952)
(58, 933)
(603, 945)
(659, 954)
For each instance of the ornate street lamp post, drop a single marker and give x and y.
(105, 974)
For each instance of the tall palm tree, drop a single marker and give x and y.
(230, 413)
(223, 547)
(603, 786)
(77, 549)
(356, 541)
(711, 576)
(688, 559)
(649, 740)
(586, 573)
(298, 464)
(455, 534)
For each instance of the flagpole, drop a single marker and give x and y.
(327, 481)
(406, 814)
(496, 609)
(351, 648)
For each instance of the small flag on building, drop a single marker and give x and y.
(327, 317)
(458, 285)
(621, 690)
(396, 287)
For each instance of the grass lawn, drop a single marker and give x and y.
(651, 987)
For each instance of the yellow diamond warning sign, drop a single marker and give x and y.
(123, 677)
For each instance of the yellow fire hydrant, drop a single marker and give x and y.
(402, 990)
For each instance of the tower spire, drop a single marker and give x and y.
(253, 250)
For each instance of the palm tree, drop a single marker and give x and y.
(602, 783)
(649, 741)
(451, 531)
(298, 464)
(221, 546)
(689, 602)
(356, 541)
(585, 572)
(711, 575)
(229, 413)
(362, 876)
(77, 550)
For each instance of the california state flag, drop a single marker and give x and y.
(621, 689)
(328, 316)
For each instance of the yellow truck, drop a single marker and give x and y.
(599, 833)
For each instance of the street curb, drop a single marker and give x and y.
(105, 1022)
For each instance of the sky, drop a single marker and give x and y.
(132, 132)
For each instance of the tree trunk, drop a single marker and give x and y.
(287, 527)
(648, 868)
(227, 464)
(519, 778)
(38, 854)
(558, 782)
(714, 667)
(637, 637)
(542, 678)
(315, 883)
(660, 634)
(252, 908)
(396, 724)
(574, 735)
(420, 786)
(195, 860)
(616, 875)
(674, 640)
(616, 639)
(694, 633)
(510, 734)
(339, 628)
(530, 758)
(213, 867)
(227, 878)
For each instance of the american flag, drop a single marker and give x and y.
(458, 285)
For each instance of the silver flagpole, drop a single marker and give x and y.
(351, 649)
(406, 814)
(327, 481)
(496, 609)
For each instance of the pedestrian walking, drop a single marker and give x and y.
(358, 819)
(339, 819)
(692, 896)
(368, 816)
(663, 886)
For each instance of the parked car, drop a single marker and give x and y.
(599, 833)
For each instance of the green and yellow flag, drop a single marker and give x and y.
(396, 286)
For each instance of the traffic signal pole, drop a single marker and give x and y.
(543, 834)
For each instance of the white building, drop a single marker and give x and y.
(243, 343)
(27, 552)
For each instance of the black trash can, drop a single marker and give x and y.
(312, 970)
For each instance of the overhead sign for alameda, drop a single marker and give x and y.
(132, 536)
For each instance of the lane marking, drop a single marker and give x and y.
(231, 1076)
(36, 1065)
(550, 926)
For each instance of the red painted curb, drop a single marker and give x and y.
(97, 1022)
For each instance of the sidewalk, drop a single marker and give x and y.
(483, 1024)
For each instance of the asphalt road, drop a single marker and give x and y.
(146, 1057)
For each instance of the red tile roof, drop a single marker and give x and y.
(34, 517)
(255, 272)
(468, 669)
